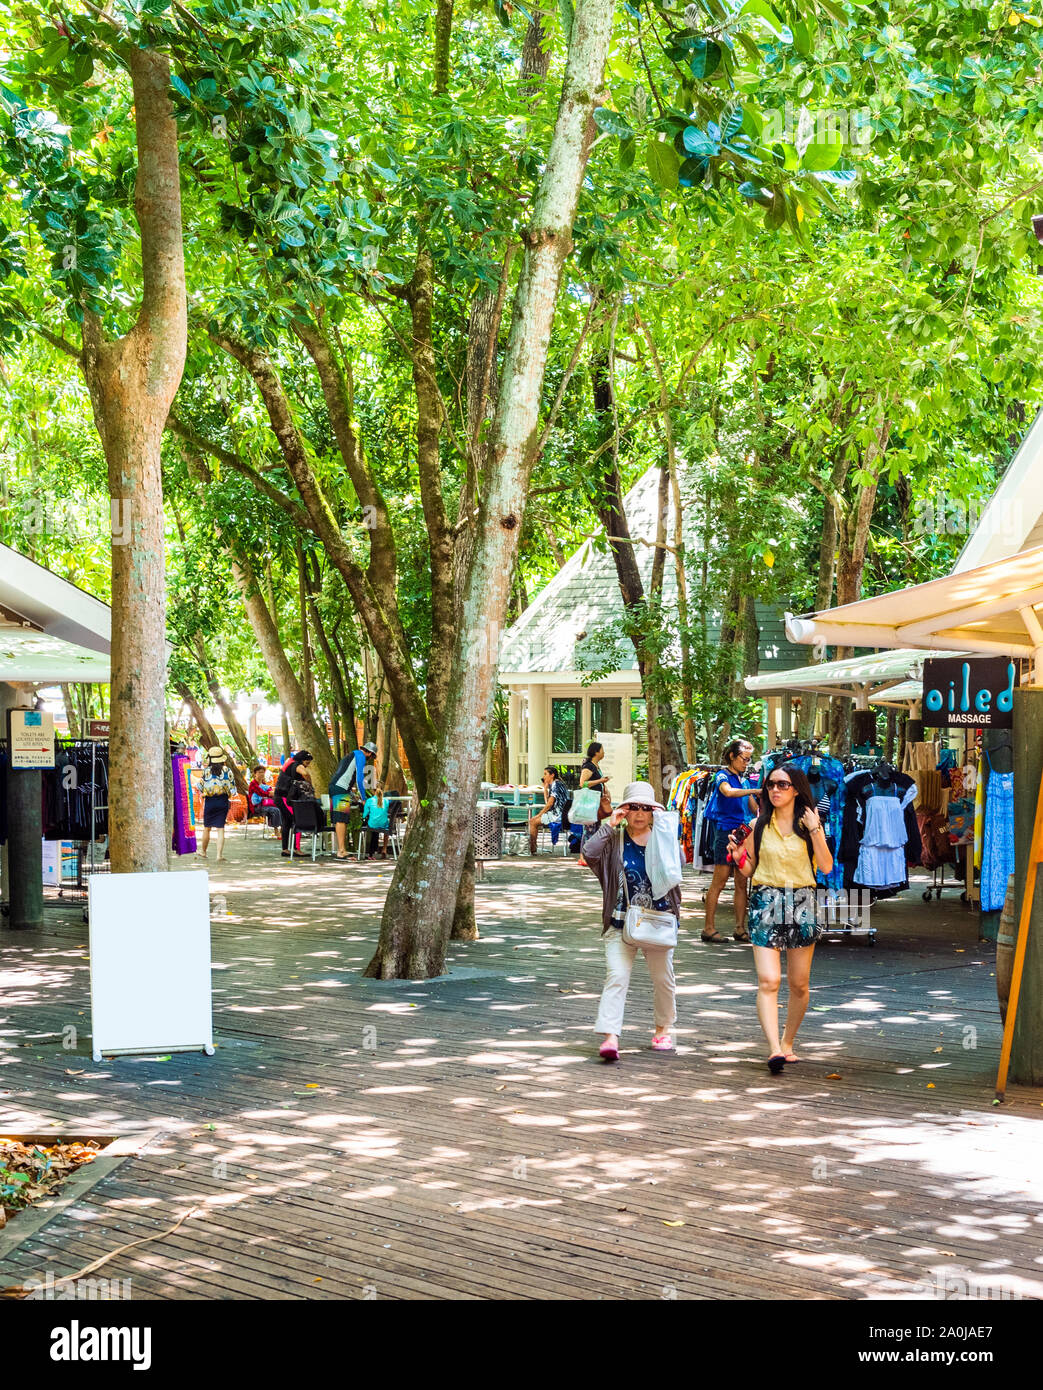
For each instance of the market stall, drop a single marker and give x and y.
(993, 610)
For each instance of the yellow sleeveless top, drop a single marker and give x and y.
(783, 861)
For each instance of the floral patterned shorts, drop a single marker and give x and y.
(781, 917)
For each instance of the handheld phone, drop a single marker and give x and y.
(742, 832)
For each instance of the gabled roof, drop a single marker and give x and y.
(553, 632)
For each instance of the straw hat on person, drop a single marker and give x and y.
(217, 755)
(642, 793)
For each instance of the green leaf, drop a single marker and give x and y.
(822, 154)
(696, 142)
(612, 123)
(663, 163)
(762, 10)
(705, 59)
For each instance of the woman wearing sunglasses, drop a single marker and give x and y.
(611, 855)
(789, 845)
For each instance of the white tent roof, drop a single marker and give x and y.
(50, 631)
(33, 595)
(1013, 517)
(994, 608)
(859, 677)
(36, 658)
(903, 694)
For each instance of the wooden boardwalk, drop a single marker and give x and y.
(459, 1138)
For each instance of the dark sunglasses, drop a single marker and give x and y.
(633, 806)
(778, 786)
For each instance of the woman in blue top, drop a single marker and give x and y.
(375, 815)
(731, 806)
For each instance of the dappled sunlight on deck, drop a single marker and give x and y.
(460, 1138)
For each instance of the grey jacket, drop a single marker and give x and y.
(603, 854)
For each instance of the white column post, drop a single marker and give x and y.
(539, 732)
(513, 735)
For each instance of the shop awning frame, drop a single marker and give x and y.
(991, 609)
(864, 679)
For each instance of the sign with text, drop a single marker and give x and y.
(978, 692)
(98, 728)
(30, 738)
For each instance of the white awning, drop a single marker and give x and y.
(34, 595)
(994, 608)
(864, 679)
(902, 696)
(36, 658)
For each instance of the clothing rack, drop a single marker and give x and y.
(90, 854)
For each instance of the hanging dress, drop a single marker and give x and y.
(997, 855)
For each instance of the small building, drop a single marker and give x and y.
(546, 657)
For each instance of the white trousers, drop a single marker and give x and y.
(619, 962)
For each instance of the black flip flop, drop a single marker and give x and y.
(776, 1063)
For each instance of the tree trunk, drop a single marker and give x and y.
(422, 901)
(238, 733)
(207, 734)
(465, 927)
(132, 383)
(70, 710)
(291, 696)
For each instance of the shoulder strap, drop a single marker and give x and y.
(623, 870)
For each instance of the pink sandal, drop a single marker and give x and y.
(607, 1053)
(663, 1044)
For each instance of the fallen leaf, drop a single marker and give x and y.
(620, 1208)
(211, 1126)
(501, 1088)
(938, 1049)
(317, 1280)
(69, 1072)
(930, 1085)
(314, 1085)
(673, 1223)
(834, 1076)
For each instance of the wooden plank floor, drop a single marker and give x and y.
(459, 1138)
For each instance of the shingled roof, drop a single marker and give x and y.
(584, 595)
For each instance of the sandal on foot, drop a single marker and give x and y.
(742, 935)
(608, 1054)
(776, 1062)
(714, 939)
(664, 1044)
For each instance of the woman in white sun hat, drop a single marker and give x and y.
(616, 854)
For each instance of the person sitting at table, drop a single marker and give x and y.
(555, 799)
(259, 792)
(375, 815)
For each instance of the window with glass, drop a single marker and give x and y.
(566, 725)
(606, 715)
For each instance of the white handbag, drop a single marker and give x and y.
(644, 926)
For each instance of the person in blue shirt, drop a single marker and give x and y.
(375, 815)
(732, 805)
(350, 782)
